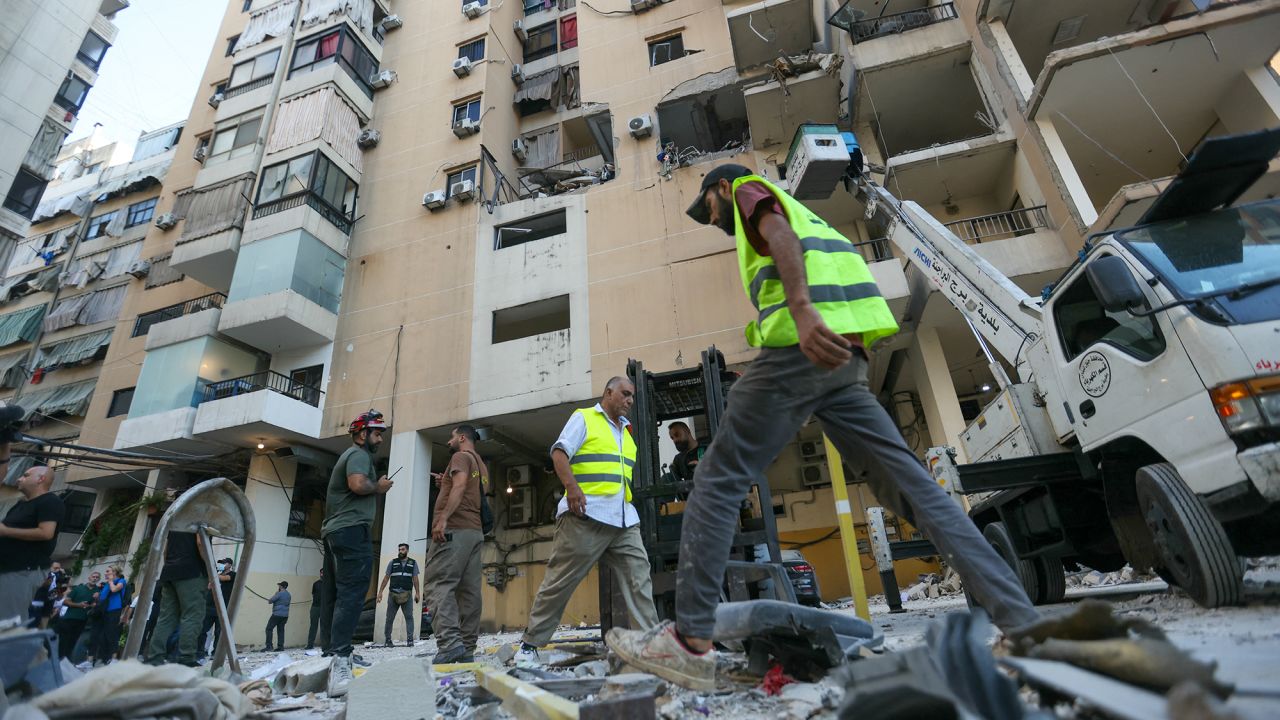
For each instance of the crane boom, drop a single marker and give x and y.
(1006, 317)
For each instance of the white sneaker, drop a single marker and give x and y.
(339, 676)
(658, 651)
(527, 656)
(85, 666)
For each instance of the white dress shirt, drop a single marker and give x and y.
(609, 509)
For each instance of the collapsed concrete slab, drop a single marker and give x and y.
(401, 689)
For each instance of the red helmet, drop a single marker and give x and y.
(371, 420)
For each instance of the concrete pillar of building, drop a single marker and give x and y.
(1072, 184)
(1022, 79)
(406, 517)
(937, 392)
(1252, 103)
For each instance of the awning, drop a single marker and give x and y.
(538, 87)
(18, 467)
(73, 350)
(11, 374)
(273, 21)
(88, 309)
(317, 11)
(21, 325)
(217, 208)
(69, 399)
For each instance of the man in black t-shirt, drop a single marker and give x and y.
(28, 535)
(686, 461)
(183, 580)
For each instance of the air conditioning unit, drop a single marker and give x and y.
(466, 127)
(814, 474)
(641, 126)
(517, 74)
(201, 153)
(520, 507)
(391, 22)
(519, 148)
(639, 6)
(462, 67)
(811, 450)
(383, 78)
(472, 10)
(518, 28)
(166, 221)
(434, 200)
(139, 268)
(215, 99)
(519, 475)
(462, 190)
(368, 138)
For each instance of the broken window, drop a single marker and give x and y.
(556, 88)
(529, 319)
(664, 50)
(541, 42)
(705, 122)
(529, 229)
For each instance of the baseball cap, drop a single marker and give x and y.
(284, 584)
(729, 171)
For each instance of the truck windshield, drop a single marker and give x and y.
(1237, 249)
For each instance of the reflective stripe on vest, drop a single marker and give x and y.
(841, 287)
(597, 466)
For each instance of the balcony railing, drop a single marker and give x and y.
(265, 380)
(1013, 223)
(874, 250)
(143, 324)
(306, 197)
(865, 29)
(261, 82)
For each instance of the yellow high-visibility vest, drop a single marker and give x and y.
(597, 466)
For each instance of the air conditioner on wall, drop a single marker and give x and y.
(462, 190)
(639, 6)
(200, 154)
(519, 148)
(814, 474)
(368, 138)
(641, 126)
(382, 78)
(518, 28)
(215, 99)
(139, 268)
(519, 475)
(462, 67)
(472, 10)
(517, 74)
(520, 506)
(391, 22)
(465, 127)
(166, 221)
(812, 450)
(434, 200)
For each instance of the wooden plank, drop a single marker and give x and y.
(1106, 695)
(525, 700)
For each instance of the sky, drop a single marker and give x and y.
(150, 75)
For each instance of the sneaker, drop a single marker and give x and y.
(456, 654)
(339, 676)
(85, 666)
(527, 656)
(658, 651)
(389, 644)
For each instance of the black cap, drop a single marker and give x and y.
(729, 171)
(284, 584)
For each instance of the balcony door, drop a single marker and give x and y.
(304, 384)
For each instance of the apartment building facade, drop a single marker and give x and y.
(475, 215)
(50, 53)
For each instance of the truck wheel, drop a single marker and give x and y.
(1051, 580)
(998, 536)
(1193, 549)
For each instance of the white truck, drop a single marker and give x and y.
(1144, 422)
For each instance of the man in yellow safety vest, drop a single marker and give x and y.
(593, 457)
(818, 308)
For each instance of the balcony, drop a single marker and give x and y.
(245, 410)
(1000, 226)
(280, 321)
(861, 28)
(145, 321)
(774, 110)
(788, 25)
(335, 217)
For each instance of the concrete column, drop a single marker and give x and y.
(937, 392)
(1070, 179)
(1252, 103)
(406, 516)
(1022, 80)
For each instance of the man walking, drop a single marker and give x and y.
(819, 308)
(351, 502)
(453, 561)
(402, 573)
(595, 519)
(28, 535)
(78, 601)
(317, 594)
(183, 581)
(279, 614)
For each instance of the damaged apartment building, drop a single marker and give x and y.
(474, 212)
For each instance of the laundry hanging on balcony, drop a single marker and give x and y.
(217, 208)
(20, 325)
(273, 21)
(317, 11)
(321, 114)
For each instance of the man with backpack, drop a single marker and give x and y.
(453, 578)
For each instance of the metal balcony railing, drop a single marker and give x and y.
(265, 380)
(261, 82)
(862, 29)
(143, 324)
(1000, 225)
(874, 250)
(306, 197)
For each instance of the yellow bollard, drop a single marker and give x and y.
(848, 540)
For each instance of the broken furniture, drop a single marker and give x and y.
(216, 508)
(806, 641)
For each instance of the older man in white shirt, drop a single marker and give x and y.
(595, 519)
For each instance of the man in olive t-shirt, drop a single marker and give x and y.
(350, 504)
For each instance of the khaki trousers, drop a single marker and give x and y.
(452, 589)
(579, 544)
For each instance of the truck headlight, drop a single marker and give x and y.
(1249, 404)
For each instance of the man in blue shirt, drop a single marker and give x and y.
(279, 614)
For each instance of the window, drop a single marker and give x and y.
(248, 4)
(466, 110)
(569, 32)
(541, 42)
(231, 44)
(235, 137)
(250, 71)
(535, 6)
(473, 51)
(529, 229)
(71, 95)
(535, 318)
(24, 194)
(98, 224)
(305, 384)
(306, 504)
(339, 46)
(92, 49)
(459, 176)
(141, 212)
(313, 175)
(294, 260)
(664, 50)
(478, 2)
(1083, 323)
(120, 402)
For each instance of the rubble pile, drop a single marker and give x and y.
(933, 585)
(1086, 578)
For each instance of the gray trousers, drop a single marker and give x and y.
(580, 543)
(453, 589)
(405, 609)
(767, 406)
(17, 588)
